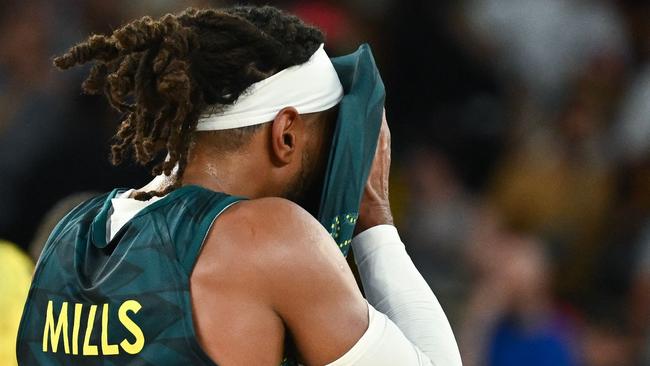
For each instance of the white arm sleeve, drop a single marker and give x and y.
(394, 287)
(383, 344)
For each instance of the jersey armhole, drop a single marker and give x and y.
(203, 230)
(188, 263)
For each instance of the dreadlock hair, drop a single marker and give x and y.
(163, 74)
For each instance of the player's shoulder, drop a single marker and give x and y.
(270, 228)
(271, 251)
(272, 211)
(274, 214)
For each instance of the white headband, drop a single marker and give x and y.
(310, 87)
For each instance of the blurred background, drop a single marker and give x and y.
(521, 167)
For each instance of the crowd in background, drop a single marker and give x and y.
(521, 156)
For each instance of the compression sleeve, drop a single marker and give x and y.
(383, 344)
(394, 287)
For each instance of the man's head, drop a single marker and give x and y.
(285, 157)
(164, 74)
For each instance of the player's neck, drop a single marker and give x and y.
(234, 174)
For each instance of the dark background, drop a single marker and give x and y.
(521, 167)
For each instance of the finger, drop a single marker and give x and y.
(384, 133)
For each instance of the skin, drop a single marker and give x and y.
(268, 270)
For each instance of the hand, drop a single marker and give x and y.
(375, 206)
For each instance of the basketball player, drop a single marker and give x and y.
(218, 261)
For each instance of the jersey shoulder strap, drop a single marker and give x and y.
(184, 217)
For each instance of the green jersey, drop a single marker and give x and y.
(124, 301)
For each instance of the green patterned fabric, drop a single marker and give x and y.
(123, 302)
(353, 145)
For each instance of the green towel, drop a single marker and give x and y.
(353, 145)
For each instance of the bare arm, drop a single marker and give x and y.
(268, 267)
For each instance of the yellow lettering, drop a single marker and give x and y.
(78, 308)
(88, 349)
(53, 332)
(55, 329)
(107, 349)
(131, 326)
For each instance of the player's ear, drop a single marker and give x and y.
(285, 130)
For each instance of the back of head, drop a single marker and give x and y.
(163, 74)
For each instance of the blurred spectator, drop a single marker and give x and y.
(16, 273)
(511, 318)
